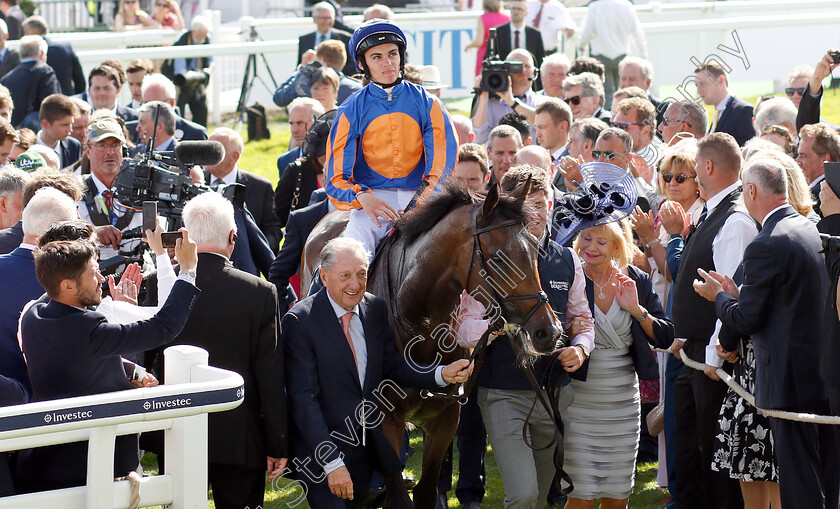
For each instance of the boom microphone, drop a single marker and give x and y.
(201, 153)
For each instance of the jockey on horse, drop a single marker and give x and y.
(387, 140)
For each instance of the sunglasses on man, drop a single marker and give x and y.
(682, 177)
(791, 91)
(575, 99)
(606, 154)
(624, 125)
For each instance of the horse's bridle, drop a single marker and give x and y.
(478, 252)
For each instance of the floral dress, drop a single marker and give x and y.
(744, 444)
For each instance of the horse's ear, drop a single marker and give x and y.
(526, 189)
(491, 201)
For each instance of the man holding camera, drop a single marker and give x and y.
(104, 149)
(191, 75)
(518, 97)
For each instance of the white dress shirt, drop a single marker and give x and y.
(522, 36)
(55, 149)
(554, 19)
(357, 335)
(609, 25)
(727, 252)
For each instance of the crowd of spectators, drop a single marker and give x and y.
(734, 197)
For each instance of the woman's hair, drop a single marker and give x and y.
(619, 236)
(492, 5)
(683, 162)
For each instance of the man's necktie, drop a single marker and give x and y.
(516, 39)
(703, 215)
(715, 119)
(108, 196)
(539, 16)
(217, 181)
(319, 39)
(345, 326)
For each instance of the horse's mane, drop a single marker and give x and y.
(419, 220)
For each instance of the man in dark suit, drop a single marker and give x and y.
(14, 17)
(235, 319)
(259, 195)
(60, 56)
(103, 87)
(718, 244)
(72, 351)
(9, 57)
(192, 93)
(30, 82)
(830, 345)
(817, 143)
(732, 115)
(56, 117)
(323, 14)
(164, 130)
(517, 34)
(11, 393)
(157, 87)
(780, 306)
(286, 264)
(809, 105)
(341, 334)
(18, 283)
(302, 114)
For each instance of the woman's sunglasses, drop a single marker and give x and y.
(682, 177)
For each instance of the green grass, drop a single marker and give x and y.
(646, 494)
(261, 157)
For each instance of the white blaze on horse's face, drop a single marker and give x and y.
(346, 280)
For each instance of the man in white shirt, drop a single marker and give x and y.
(553, 118)
(550, 17)
(609, 26)
(817, 143)
(723, 232)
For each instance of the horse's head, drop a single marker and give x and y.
(503, 272)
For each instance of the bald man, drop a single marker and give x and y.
(259, 195)
(538, 156)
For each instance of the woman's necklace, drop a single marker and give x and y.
(601, 294)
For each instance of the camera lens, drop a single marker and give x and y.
(496, 82)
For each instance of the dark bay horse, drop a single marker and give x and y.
(457, 241)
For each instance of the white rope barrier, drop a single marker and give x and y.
(749, 398)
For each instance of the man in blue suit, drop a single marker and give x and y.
(164, 130)
(157, 87)
(732, 115)
(60, 56)
(341, 334)
(30, 82)
(18, 283)
(73, 351)
(780, 306)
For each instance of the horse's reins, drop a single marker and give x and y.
(460, 392)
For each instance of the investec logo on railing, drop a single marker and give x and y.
(167, 404)
(59, 417)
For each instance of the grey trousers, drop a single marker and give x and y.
(611, 83)
(526, 473)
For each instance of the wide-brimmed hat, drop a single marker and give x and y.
(608, 194)
(431, 78)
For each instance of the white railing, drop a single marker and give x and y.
(180, 408)
(769, 30)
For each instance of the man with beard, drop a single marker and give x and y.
(73, 351)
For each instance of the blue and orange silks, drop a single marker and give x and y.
(382, 142)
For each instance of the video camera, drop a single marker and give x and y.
(191, 79)
(164, 177)
(494, 71)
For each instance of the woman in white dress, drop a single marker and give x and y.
(603, 434)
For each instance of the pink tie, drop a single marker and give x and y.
(345, 326)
